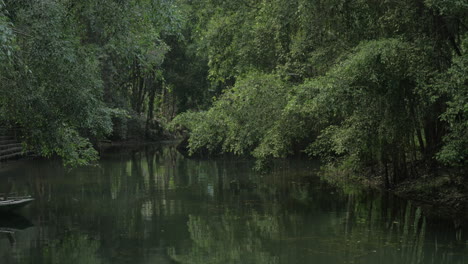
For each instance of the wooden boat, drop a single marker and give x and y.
(12, 203)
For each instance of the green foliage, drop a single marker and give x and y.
(239, 118)
(368, 84)
(360, 110)
(7, 38)
(454, 85)
(54, 90)
(371, 95)
(74, 149)
(68, 69)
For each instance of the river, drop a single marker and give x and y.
(152, 205)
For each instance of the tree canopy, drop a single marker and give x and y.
(76, 72)
(358, 83)
(362, 84)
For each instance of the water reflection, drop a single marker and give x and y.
(10, 224)
(151, 205)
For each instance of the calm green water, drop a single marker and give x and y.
(151, 205)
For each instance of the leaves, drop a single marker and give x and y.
(364, 83)
(239, 118)
(67, 71)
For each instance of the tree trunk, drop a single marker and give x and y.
(152, 94)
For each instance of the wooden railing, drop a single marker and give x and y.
(10, 147)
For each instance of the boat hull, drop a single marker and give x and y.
(14, 204)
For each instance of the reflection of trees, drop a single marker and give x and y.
(365, 228)
(71, 249)
(386, 229)
(127, 203)
(230, 239)
(111, 202)
(209, 211)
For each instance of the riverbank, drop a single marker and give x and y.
(105, 145)
(445, 193)
(440, 191)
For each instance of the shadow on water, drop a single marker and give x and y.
(10, 224)
(152, 205)
(14, 222)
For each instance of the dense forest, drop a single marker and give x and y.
(360, 84)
